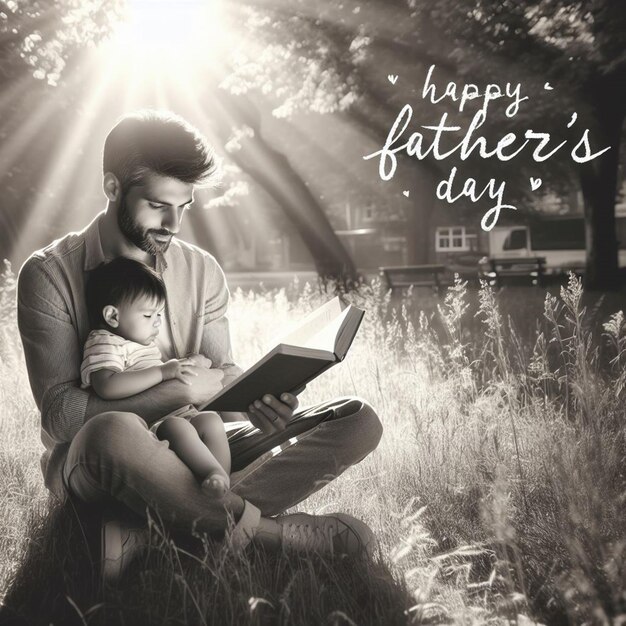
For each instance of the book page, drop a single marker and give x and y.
(314, 324)
(326, 337)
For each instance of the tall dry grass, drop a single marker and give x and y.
(498, 490)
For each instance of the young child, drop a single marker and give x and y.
(125, 300)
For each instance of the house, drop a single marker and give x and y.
(375, 240)
(263, 240)
(456, 238)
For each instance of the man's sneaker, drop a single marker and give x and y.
(335, 534)
(120, 544)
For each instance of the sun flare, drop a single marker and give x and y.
(158, 31)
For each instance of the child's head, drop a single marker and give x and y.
(126, 297)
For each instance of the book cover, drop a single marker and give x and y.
(320, 341)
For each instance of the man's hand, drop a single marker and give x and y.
(271, 415)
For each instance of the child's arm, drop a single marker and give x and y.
(111, 385)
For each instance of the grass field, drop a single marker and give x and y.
(498, 491)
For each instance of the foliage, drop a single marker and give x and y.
(299, 66)
(329, 60)
(342, 45)
(43, 34)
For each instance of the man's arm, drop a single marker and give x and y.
(53, 356)
(215, 343)
(113, 385)
(271, 415)
(159, 400)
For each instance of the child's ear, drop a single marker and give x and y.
(111, 315)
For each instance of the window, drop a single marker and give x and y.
(456, 239)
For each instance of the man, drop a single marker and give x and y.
(101, 450)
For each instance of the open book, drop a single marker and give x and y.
(319, 342)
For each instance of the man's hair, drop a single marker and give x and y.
(119, 282)
(160, 142)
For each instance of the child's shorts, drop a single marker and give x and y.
(187, 412)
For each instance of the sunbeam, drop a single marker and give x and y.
(164, 34)
(61, 173)
(162, 54)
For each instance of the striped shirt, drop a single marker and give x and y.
(106, 350)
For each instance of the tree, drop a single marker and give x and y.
(581, 44)
(329, 59)
(41, 35)
(271, 169)
(40, 41)
(48, 41)
(578, 46)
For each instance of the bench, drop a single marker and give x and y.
(518, 268)
(413, 275)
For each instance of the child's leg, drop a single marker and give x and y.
(211, 430)
(185, 442)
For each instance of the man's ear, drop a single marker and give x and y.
(111, 186)
(111, 315)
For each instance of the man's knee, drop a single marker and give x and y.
(371, 424)
(368, 428)
(106, 433)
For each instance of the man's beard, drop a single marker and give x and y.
(138, 236)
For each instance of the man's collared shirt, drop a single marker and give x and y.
(54, 325)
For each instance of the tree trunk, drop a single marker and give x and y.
(285, 186)
(599, 186)
(272, 170)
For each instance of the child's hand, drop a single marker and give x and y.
(178, 368)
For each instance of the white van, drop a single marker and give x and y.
(560, 240)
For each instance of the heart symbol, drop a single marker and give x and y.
(548, 86)
(406, 193)
(535, 183)
(392, 78)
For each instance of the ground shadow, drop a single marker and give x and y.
(190, 582)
